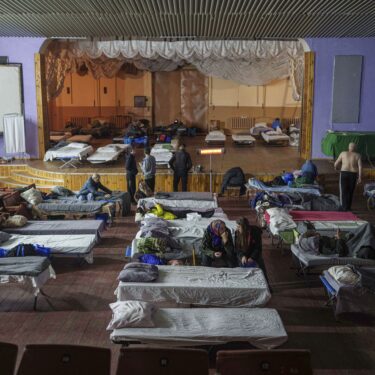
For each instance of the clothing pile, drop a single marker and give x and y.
(280, 220)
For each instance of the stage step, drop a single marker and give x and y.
(11, 183)
(28, 178)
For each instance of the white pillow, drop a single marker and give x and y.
(261, 125)
(32, 196)
(131, 314)
(77, 145)
(344, 275)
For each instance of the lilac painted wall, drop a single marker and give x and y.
(325, 51)
(21, 50)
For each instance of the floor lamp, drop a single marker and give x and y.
(210, 152)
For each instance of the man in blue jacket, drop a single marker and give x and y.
(93, 188)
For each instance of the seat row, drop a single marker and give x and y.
(84, 360)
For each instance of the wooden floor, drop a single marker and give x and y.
(77, 311)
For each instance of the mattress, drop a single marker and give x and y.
(260, 327)
(204, 286)
(323, 216)
(253, 183)
(84, 138)
(68, 152)
(312, 260)
(74, 245)
(183, 202)
(243, 139)
(215, 136)
(69, 205)
(66, 227)
(25, 266)
(270, 137)
(107, 153)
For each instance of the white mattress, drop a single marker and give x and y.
(191, 204)
(68, 152)
(313, 260)
(260, 327)
(215, 136)
(272, 137)
(243, 138)
(206, 286)
(107, 153)
(30, 283)
(72, 245)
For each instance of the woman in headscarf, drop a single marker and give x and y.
(217, 246)
(249, 245)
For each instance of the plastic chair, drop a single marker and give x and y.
(65, 359)
(8, 358)
(155, 361)
(263, 362)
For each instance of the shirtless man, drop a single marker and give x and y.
(350, 174)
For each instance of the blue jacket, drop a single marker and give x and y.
(276, 124)
(93, 187)
(309, 168)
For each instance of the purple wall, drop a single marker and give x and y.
(325, 51)
(21, 50)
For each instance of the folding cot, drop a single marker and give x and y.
(84, 138)
(71, 154)
(107, 154)
(275, 138)
(215, 137)
(205, 286)
(162, 154)
(76, 245)
(260, 327)
(31, 273)
(243, 139)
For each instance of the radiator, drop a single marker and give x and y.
(291, 120)
(121, 121)
(81, 121)
(240, 122)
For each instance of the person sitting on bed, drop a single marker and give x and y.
(93, 188)
(249, 245)
(217, 246)
(276, 125)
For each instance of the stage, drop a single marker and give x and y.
(261, 160)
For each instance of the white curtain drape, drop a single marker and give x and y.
(247, 62)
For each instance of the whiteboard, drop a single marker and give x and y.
(11, 100)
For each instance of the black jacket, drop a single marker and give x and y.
(131, 165)
(181, 162)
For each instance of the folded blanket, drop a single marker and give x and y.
(280, 220)
(344, 274)
(139, 272)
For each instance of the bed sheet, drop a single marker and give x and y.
(67, 227)
(107, 153)
(215, 136)
(243, 138)
(270, 137)
(260, 327)
(313, 260)
(206, 286)
(68, 152)
(192, 204)
(259, 185)
(73, 245)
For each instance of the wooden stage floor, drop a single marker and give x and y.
(256, 160)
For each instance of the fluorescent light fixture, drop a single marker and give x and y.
(211, 151)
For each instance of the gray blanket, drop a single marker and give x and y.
(26, 266)
(364, 236)
(197, 196)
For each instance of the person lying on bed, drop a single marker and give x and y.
(217, 246)
(249, 245)
(93, 188)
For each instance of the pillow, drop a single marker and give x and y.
(15, 221)
(4, 237)
(344, 274)
(77, 145)
(139, 272)
(32, 196)
(131, 314)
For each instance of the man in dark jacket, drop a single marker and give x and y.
(234, 177)
(91, 189)
(180, 164)
(131, 172)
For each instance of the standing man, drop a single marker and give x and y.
(180, 164)
(131, 172)
(149, 169)
(350, 174)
